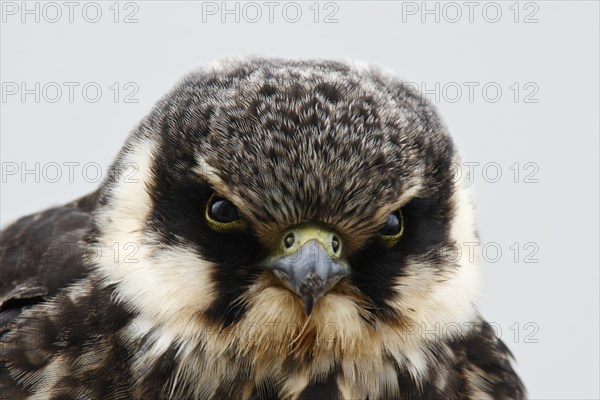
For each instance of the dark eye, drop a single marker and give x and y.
(393, 228)
(222, 215)
(222, 210)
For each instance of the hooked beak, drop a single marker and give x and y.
(308, 262)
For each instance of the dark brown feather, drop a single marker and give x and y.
(40, 254)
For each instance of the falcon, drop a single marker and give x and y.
(272, 229)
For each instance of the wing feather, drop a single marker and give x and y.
(40, 254)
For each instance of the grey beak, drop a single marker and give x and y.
(309, 272)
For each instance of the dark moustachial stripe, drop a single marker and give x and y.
(178, 215)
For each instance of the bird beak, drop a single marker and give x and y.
(308, 262)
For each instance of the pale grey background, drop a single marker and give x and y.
(559, 214)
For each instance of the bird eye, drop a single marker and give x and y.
(393, 228)
(222, 215)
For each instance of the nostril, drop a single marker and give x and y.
(335, 244)
(289, 240)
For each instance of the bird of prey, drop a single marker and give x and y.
(272, 229)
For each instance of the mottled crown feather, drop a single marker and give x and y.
(302, 140)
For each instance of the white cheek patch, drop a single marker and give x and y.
(442, 309)
(125, 215)
(169, 285)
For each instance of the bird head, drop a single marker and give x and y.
(280, 209)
